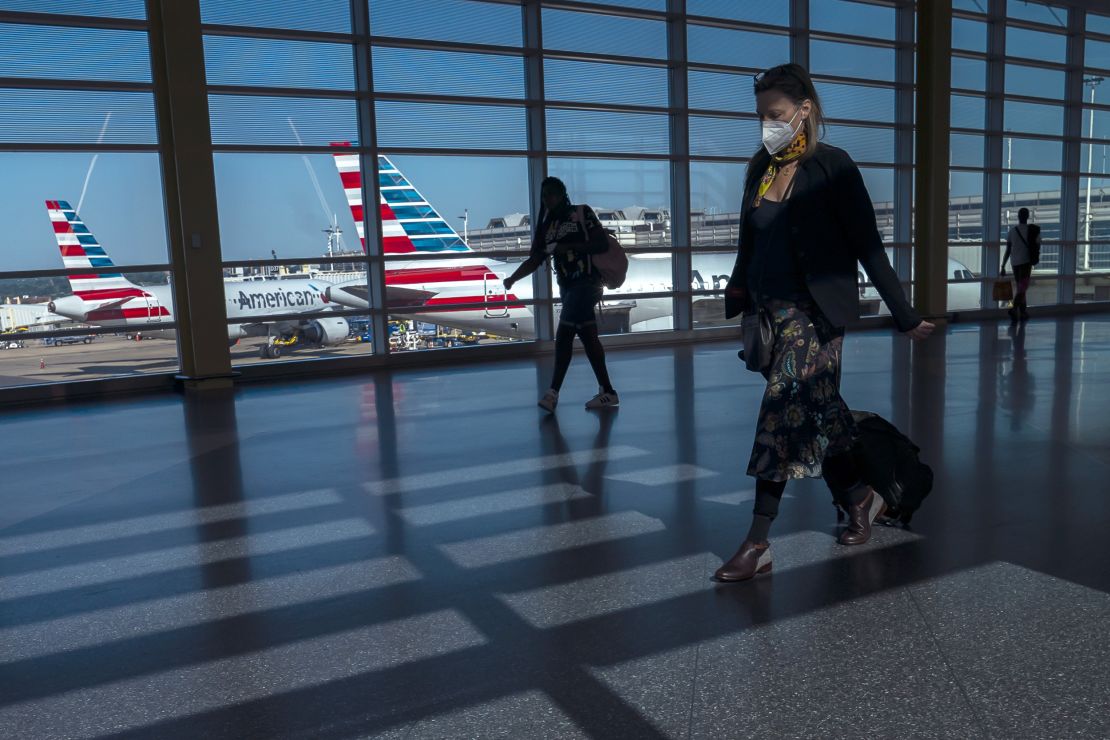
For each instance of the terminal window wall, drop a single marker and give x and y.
(1092, 254)
(84, 260)
(283, 107)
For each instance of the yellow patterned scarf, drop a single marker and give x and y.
(796, 149)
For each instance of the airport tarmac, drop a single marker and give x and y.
(110, 355)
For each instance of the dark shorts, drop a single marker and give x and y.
(580, 298)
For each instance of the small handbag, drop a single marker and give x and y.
(759, 340)
(1003, 290)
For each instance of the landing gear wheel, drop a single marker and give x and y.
(271, 351)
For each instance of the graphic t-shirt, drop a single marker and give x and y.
(562, 239)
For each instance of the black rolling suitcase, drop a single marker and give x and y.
(889, 462)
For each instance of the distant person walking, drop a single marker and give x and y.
(1023, 251)
(568, 235)
(806, 221)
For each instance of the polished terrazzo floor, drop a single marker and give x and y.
(422, 554)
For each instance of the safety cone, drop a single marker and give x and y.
(42, 364)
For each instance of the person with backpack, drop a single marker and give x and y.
(806, 221)
(1023, 251)
(570, 236)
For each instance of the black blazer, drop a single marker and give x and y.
(832, 226)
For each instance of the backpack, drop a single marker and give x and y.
(888, 462)
(611, 264)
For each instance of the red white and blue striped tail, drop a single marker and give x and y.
(81, 251)
(410, 225)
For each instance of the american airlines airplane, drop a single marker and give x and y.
(104, 297)
(411, 226)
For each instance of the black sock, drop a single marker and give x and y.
(768, 494)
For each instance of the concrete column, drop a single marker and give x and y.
(368, 164)
(537, 157)
(177, 63)
(934, 74)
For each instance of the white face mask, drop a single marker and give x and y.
(777, 135)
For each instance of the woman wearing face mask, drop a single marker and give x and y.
(806, 221)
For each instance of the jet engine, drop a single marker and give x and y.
(326, 331)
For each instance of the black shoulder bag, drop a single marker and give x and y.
(1033, 247)
(756, 331)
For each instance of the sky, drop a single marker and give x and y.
(270, 202)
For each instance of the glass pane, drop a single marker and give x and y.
(724, 137)
(77, 117)
(85, 356)
(1031, 154)
(436, 72)
(964, 267)
(659, 5)
(851, 60)
(880, 186)
(1097, 54)
(122, 206)
(257, 119)
(856, 102)
(721, 91)
(433, 125)
(864, 144)
(1096, 192)
(131, 9)
(101, 54)
(1098, 23)
(1037, 12)
(969, 112)
(1094, 156)
(567, 30)
(1040, 194)
(1092, 288)
(1048, 47)
(448, 20)
(736, 48)
(969, 35)
(973, 6)
(1034, 81)
(602, 131)
(857, 19)
(239, 60)
(965, 208)
(970, 74)
(319, 15)
(967, 150)
(715, 193)
(298, 216)
(622, 192)
(773, 12)
(1034, 119)
(595, 82)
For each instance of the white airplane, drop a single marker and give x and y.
(412, 226)
(104, 297)
(962, 296)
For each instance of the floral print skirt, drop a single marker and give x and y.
(802, 418)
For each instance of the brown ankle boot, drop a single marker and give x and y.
(860, 517)
(749, 561)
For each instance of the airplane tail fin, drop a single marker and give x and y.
(81, 251)
(410, 225)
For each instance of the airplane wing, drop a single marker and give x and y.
(355, 294)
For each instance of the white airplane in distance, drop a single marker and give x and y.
(104, 297)
(411, 226)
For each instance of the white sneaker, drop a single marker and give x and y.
(549, 401)
(603, 400)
